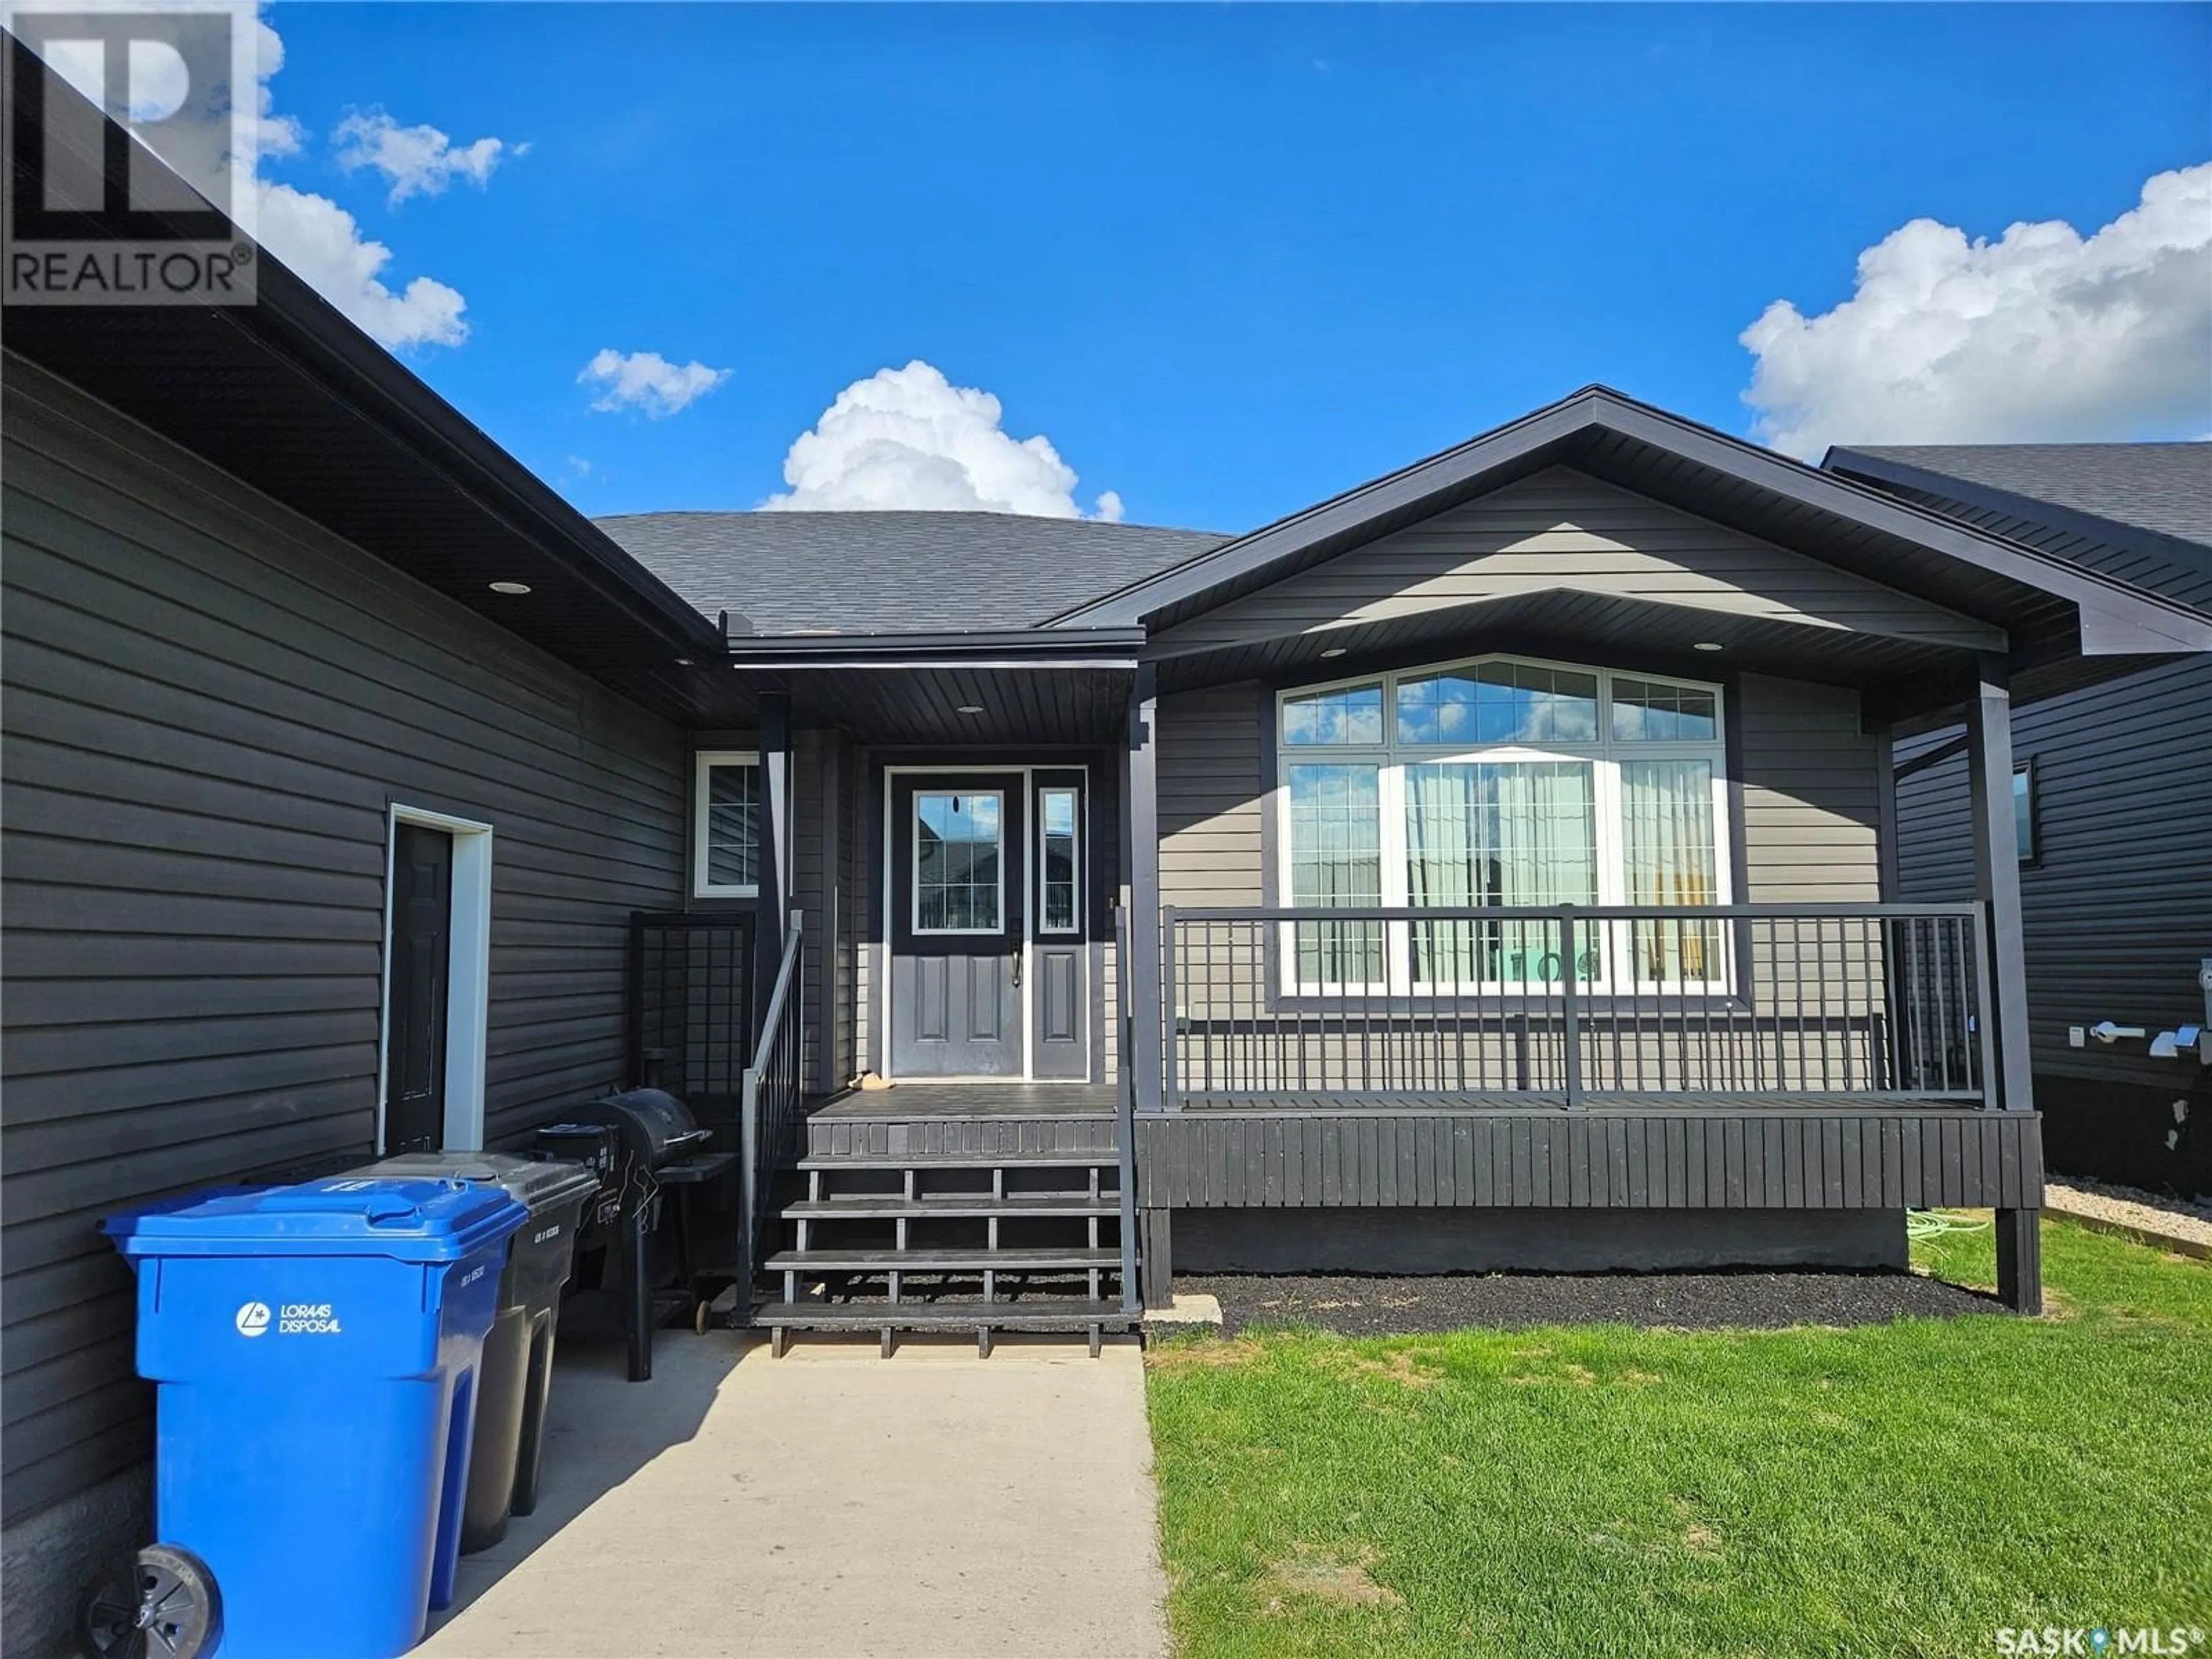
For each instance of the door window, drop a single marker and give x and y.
(959, 877)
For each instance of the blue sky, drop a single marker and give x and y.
(1231, 259)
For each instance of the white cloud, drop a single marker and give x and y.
(910, 438)
(419, 160)
(321, 240)
(648, 380)
(2040, 335)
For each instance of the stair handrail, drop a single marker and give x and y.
(1125, 1122)
(769, 1108)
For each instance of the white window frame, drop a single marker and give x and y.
(468, 975)
(914, 865)
(1604, 755)
(703, 763)
(1045, 929)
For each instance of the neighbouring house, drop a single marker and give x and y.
(1482, 868)
(2112, 788)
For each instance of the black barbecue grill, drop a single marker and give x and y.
(647, 1145)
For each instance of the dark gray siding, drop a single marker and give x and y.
(2117, 909)
(210, 704)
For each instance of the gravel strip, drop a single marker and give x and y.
(2199, 1209)
(2186, 1225)
(1358, 1305)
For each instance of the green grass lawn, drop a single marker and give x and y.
(1904, 1489)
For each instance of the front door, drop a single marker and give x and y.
(1059, 947)
(958, 905)
(421, 969)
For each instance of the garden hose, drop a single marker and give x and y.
(1937, 1224)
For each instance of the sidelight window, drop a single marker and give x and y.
(1058, 839)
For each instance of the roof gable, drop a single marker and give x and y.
(1560, 529)
(1719, 477)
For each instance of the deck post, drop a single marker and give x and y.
(2019, 1260)
(1997, 879)
(771, 831)
(1996, 884)
(1158, 1266)
(1146, 1013)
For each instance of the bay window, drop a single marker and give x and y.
(1505, 783)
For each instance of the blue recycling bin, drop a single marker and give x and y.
(315, 1350)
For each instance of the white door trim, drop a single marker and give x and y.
(468, 975)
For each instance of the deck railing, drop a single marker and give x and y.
(1576, 1006)
(769, 1108)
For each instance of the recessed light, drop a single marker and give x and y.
(510, 587)
(972, 708)
(1334, 651)
(684, 662)
(1706, 645)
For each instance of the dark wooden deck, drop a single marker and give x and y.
(904, 1101)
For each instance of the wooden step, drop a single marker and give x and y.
(862, 1206)
(961, 1161)
(886, 1319)
(923, 1316)
(930, 1259)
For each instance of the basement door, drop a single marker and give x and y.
(989, 963)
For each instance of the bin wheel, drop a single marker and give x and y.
(162, 1605)
(703, 1317)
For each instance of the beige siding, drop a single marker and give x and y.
(1811, 811)
(1562, 528)
(210, 704)
(1810, 815)
(1210, 796)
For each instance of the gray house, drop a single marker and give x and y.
(1482, 868)
(2112, 785)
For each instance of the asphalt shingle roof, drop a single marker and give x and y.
(2166, 488)
(895, 572)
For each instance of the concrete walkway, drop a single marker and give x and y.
(831, 1503)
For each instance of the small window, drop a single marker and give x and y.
(727, 826)
(1352, 718)
(1648, 711)
(2024, 826)
(1058, 837)
(959, 884)
(1498, 703)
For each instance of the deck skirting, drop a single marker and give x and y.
(1917, 1157)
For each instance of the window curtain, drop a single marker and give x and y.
(1667, 824)
(1498, 833)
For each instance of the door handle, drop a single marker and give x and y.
(1018, 970)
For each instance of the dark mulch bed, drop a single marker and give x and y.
(1357, 1305)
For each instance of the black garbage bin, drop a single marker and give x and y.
(518, 1356)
